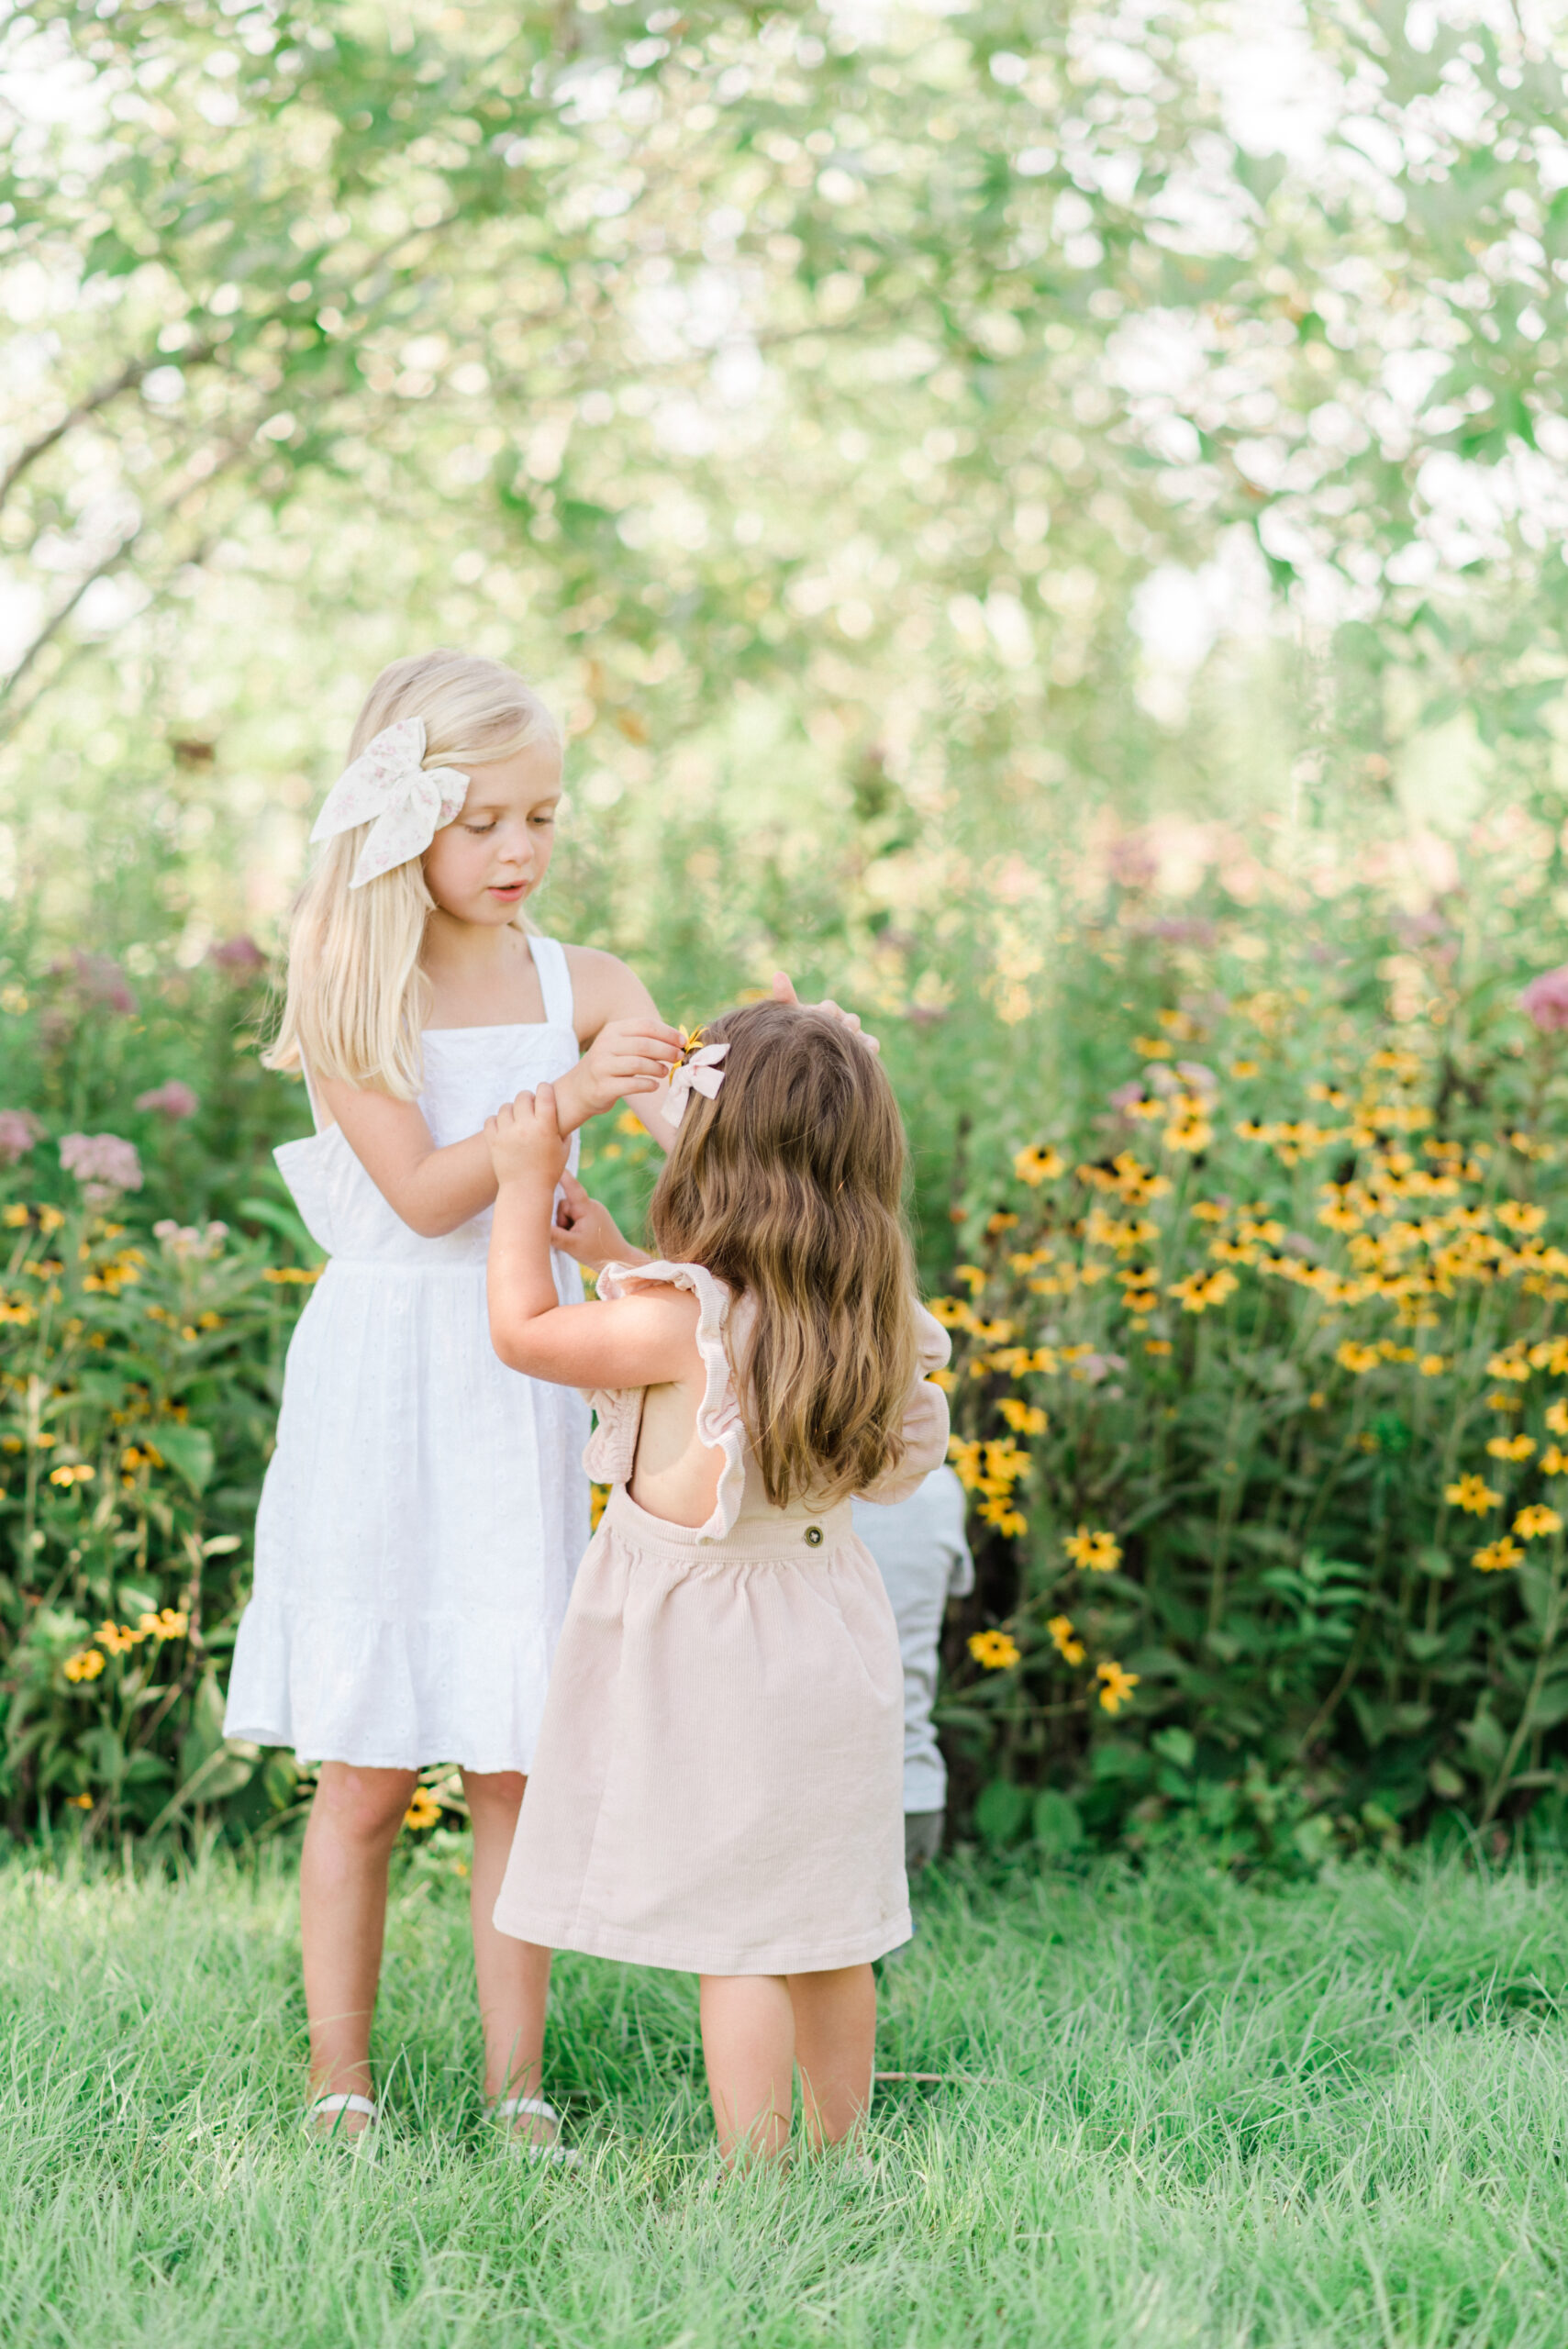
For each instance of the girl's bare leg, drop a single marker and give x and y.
(512, 1976)
(352, 1827)
(748, 2045)
(835, 2046)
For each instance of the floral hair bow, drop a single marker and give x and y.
(390, 788)
(697, 1072)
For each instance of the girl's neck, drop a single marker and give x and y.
(480, 974)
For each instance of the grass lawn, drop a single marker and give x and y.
(1210, 2115)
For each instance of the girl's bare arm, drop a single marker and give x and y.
(636, 1342)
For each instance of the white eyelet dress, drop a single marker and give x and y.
(719, 1781)
(426, 1508)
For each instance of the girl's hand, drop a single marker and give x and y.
(586, 1230)
(783, 992)
(626, 1056)
(525, 1142)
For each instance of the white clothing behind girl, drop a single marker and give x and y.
(425, 1509)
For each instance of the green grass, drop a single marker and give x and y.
(1329, 2115)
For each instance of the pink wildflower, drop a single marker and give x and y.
(173, 1100)
(237, 954)
(102, 1163)
(18, 1131)
(1546, 1000)
(101, 977)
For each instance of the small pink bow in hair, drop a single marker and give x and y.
(390, 788)
(698, 1073)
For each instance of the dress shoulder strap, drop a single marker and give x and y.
(554, 980)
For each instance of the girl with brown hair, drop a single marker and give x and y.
(717, 1782)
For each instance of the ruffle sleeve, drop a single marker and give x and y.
(611, 1450)
(924, 1419)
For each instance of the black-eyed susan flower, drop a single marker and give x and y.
(1511, 1447)
(1038, 1163)
(1557, 1416)
(85, 1665)
(1498, 1556)
(996, 1650)
(1554, 1461)
(1024, 1418)
(1098, 1552)
(1357, 1359)
(1071, 1650)
(115, 1639)
(423, 1811)
(1432, 1365)
(1116, 1686)
(1537, 1521)
(1474, 1494)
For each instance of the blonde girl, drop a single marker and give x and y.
(426, 1506)
(717, 1784)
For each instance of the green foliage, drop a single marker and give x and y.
(1259, 1387)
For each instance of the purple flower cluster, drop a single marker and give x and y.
(173, 1100)
(102, 1163)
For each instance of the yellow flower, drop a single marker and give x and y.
(1208, 1211)
(1008, 1522)
(1024, 1418)
(1038, 1163)
(1357, 1359)
(85, 1665)
(1471, 1493)
(66, 1476)
(1070, 1649)
(1518, 1215)
(424, 1810)
(952, 1312)
(1554, 1461)
(1557, 1416)
(1156, 1345)
(1511, 1447)
(1100, 1552)
(1537, 1519)
(1244, 1068)
(118, 1639)
(1317, 1400)
(14, 1217)
(973, 1275)
(598, 1498)
(994, 1650)
(78, 1802)
(1432, 1365)
(1497, 1556)
(168, 1623)
(1117, 1686)
(1152, 1048)
(1507, 1365)
(1198, 1291)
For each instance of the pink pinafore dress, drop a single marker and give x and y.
(718, 1781)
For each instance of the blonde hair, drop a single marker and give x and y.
(789, 1186)
(357, 997)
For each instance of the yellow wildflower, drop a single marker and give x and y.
(116, 1639)
(952, 1312)
(1198, 1291)
(598, 1500)
(1432, 1365)
(1024, 1418)
(1554, 1461)
(170, 1623)
(1152, 1048)
(78, 1802)
(1471, 1493)
(1244, 1068)
(1557, 1416)
(1507, 1365)
(994, 1650)
(77, 1474)
(1070, 1649)
(1100, 1552)
(1038, 1163)
(1008, 1522)
(973, 1275)
(1157, 1346)
(1497, 1556)
(1117, 1686)
(1537, 1519)
(85, 1665)
(1357, 1359)
(1511, 1447)
(423, 1811)
(1519, 1214)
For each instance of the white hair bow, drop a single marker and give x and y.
(389, 787)
(699, 1073)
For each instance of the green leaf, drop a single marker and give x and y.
(1001, 1811)
(188, 1450)
(1057, 1822)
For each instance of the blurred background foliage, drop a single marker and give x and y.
(1022, 511)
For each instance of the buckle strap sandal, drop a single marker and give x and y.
(507, 2109)
(330, 2109)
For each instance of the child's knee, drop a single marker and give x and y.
(364, 1806)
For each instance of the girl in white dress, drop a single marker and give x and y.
(426, 1508)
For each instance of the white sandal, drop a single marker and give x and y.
(507, 2108)
(330, 2107)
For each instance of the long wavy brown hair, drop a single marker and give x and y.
(789, 1186)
